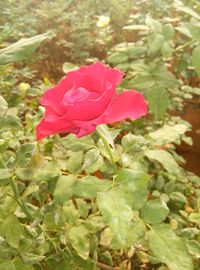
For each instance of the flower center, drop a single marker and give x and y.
(75, 94)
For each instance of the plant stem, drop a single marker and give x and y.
(184, 46)
(23, 206)
(109, 151)
(104, 266)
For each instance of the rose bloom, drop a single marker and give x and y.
(86, 98)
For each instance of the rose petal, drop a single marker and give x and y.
(92, 106)
(128, 104)
(60, 125)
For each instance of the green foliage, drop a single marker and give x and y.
(169, 248)
(22, 49)
(62, 204)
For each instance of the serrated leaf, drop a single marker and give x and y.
(134, 184)
(87, 187)
(90, 157)
(154, 211)
(48, 172)
(168, 134)
(31, 258)
(169, 248)
(82, 144)
(64, 188)
(24, 154)
(155, 44)
(164, 158)
(78, 236)
(178, 197)
(193, 247)
(158, 101)
(9, 121)
(95, 166)
(74, 163)
(12, 230)
(117, 214)
(168, 31)
(117, 58)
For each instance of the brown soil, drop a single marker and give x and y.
(191, 154)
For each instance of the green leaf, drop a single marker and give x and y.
(168, 31)
(195, 217)
(67, 67)
(169, 248)
(168, 134)
(193, 247)
(194, 30)
(78, 236)
(163, 78)
(178, 197)
(24, 154)
(158, 100)
(133, 143)
(3, 106)
(74, 163)
(5, 173)
(137, 27)
(153, 24)
(31, 258)
(155, 44)
(89, 186)
(104, 131)
(117, 214)
(117, 57)
(9, 121)
(167, 49)
(82, 144)
(164, 158)
(12, 230)
(19, 265)
(97, 165)
(46, 173)
(154, 211)
(187, 10)
(22, 49)
(135, 52)
(134, 184)
(90, 157)
(7, 266)
(86, 187)
(64, 188)
(196, 59)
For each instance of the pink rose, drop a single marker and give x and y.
(86, 98)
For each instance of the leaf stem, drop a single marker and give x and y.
(23, 206)
(109, 151)
(184, 46)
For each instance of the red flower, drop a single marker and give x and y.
(86, 98)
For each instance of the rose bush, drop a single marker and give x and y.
(86, 98)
